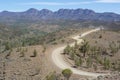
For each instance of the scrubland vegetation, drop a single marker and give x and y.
(98, 54)
(23, 51)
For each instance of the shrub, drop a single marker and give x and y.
(34, 53)
(67, 73)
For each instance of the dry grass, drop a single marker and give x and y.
(26, 67)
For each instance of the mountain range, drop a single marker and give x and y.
(62, 14)
(34, 24)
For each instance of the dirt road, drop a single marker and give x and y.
(60, 62)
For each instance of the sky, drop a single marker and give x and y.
(54, 5)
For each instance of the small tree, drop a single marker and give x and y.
(89, 62)
(72, 53)
(67, 49)
(34, 53)
(23, 43)
(7, 46)
(106, 63)
(44, 49)
(95, 67)
(67, 73)
(100, 36)
(51, 76)
(113, 47)
(9, 53)
(78, 61)
(76, 45)
(22, 54)
(85, 48)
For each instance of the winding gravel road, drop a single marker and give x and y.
(60, 62)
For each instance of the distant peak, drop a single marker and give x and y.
(79, 9)
(5, 11)
(45, 10)
(32, 10)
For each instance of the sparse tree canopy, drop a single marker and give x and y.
(67, 49)
(67, 73)
(7, 46)
(84, 48)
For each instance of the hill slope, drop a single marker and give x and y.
(65, 14)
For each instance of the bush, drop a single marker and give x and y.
(106, 63)
(7, 46)
(22, 54)
(53, 76)
(67, 73)
(34, 54)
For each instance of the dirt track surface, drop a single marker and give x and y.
(60, 62)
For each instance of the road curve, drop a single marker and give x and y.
(60, 62)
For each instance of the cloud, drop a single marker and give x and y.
(56, 3)
(71, 3)
(107, 1)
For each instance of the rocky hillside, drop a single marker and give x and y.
(65, 14)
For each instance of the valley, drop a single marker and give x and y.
(44, 45)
